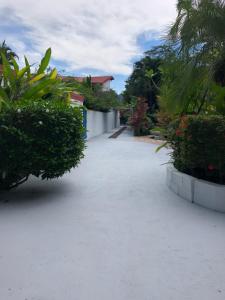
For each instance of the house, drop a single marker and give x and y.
(104, 81)
(76, 98)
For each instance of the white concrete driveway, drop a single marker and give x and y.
(110, 230)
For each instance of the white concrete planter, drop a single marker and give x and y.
(204, 193)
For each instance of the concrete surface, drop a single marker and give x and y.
(204, 193)
(110, 230)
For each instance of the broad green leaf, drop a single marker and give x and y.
(15, 64)
(3, 98)
(68, 97)
(21, 72)
(2, 101)
(3, 94)
(28, 67)
(36, 78)
(7, 71)
(161, 146)
(53, 74)
(37, 88)
(44, 62)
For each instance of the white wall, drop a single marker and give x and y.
(99, 122)
(106, 86)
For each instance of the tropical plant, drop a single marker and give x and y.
(17, 84)
(186, 87)
(194, 75)
(200, 29)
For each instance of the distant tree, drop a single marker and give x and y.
(144, 80)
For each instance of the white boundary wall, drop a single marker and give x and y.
(99, 122)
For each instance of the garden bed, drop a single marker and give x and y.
(204, 193)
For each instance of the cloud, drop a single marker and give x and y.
(94, 34)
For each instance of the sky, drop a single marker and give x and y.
(92, 37)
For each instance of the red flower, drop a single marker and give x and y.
(211, 167)
(179, 132)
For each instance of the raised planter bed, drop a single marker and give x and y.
(204, 193)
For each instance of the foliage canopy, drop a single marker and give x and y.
(144, 81)
(194, 69)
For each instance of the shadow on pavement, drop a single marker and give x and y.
(34, 192)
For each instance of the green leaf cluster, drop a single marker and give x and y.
(22, 84)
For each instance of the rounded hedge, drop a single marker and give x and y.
(44, 139)
(198, 144)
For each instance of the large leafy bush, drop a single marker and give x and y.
(39, 138)
(198, 144)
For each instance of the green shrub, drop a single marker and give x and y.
(102, 101)
(39, 138)
(144, 127)
(198, 144)
(125, 115)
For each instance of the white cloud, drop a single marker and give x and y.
(95, 34)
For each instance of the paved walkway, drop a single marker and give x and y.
(110, 230)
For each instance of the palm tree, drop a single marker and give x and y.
(194, 75)
(199, 31)
(7, 51)
(198, 21)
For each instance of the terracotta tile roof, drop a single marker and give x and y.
(77, 97)
(94, 79)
